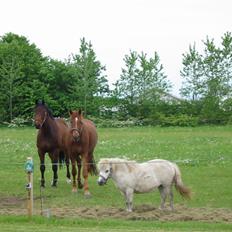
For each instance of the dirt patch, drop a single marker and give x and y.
(17, 206)
(147, 212)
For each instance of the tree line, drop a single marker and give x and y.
(141, 95)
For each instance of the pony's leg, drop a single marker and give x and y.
(42, 168)
(54, 157)
(129, 199)
(80, 185)
(85, 176)
(171, 199)
(163, 194)
(74, 173)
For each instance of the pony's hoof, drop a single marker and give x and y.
(68, 181)
(129, 210)
(87, 195)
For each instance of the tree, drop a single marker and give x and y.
(20, 64)
(141, 83)
(192, 74)
(88, 77)
(207, 77)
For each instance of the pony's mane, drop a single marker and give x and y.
(115, 160)
(40, 104)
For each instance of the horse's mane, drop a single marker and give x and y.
(49, 111)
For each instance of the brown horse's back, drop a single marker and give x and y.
(91, 128)
(63, 129)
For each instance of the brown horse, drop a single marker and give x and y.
(80, 143)
(49, 140)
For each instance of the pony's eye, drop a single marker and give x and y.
(107, 171)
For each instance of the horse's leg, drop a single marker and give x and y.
(68, 175)
(42, 167)
(74, 173)
(80, 185)
(85, 175)
(163, 194)
(54, 158)
(129, 199)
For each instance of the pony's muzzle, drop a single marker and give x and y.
(101, 181)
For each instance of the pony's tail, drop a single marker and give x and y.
(92, 166)
(61, 159)
(183, 190)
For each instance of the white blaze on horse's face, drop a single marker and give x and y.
(104, 173)
(75, 131)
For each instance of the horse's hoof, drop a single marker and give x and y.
(80, 185)
(54, 184)
(74, 190)
(87, 195)
(68, 181)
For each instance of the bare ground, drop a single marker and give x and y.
(17, 206)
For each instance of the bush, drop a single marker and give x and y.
(179, 120)
(18, 122)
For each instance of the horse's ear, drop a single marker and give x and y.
(70, 112)
(36, 101)
(80, 112)
(43, 102)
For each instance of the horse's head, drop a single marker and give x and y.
(41, 114)
(105, 171)
(76, 124)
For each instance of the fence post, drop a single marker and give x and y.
(29, 186)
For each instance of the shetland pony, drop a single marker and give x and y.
(131, 177)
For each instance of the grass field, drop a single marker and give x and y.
(203, 154)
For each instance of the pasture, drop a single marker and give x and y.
(203, 154)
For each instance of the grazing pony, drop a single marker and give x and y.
(80, 142)
(131, 177)
(49, 140)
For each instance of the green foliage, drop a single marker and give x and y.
(207, 79)
(140, 97)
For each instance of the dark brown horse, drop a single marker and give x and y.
(49, 140)
(80, 143)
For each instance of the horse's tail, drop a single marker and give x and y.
(92, 166)
(61, 159)
(183, 190)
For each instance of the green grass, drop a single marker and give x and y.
(204, 155)
(12, 224)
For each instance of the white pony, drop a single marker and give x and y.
(131, 177)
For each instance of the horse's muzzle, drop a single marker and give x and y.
(37, 125)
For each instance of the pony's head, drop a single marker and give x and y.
(41, 113)
(105, 171)
(76, 124)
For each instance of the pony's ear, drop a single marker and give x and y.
(36, 101)
(70, 112)
(43, 102)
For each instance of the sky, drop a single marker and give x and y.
(115, 27)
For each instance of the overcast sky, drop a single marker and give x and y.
(115, 27)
